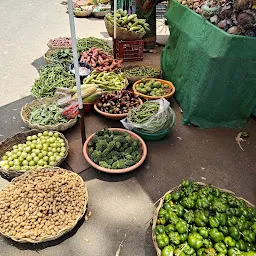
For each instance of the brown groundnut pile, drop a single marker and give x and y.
(40, 203)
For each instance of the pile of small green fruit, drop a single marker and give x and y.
(202, 221)
(152, 87)
(41, 150)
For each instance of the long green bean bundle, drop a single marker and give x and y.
(142, 71)
(151, 117)
(85, 44)
(46, 114)
(51, 77)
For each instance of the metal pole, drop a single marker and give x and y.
(75, 56)
(114, 41)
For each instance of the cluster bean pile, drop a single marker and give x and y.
(114, 149)
(85, 44)
(202, 220)
(141, 71)
(51, 77)
(41, 203)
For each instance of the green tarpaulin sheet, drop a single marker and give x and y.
(214, 73)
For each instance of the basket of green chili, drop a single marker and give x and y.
(135, 73)
(45, 114)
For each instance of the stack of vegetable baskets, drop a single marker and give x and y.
(197, 219)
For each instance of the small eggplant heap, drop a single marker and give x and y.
(236, 17)
(100, 60)
(119, 102)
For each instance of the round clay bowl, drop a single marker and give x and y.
(147, 97)
(131, 168)
(113, 116)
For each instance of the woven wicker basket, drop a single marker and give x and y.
(101, 14)
(161, 202)
(84, 13)
(62, 231)
(57, 47)
(47, 55)
(121, 33)
(25, 114)
(19, 138)
(133, 79)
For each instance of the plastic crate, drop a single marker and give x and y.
(129, 50)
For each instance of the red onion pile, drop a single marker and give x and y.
(119, 102)
(60, 42)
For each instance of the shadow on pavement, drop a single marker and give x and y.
(38, 63)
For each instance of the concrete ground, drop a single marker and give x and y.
(121, 205)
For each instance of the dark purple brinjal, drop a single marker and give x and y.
(235, 30)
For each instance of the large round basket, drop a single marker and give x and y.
(100, 15)
(121, 33)
(83, 14)
(19, 138)
(26, 110)
(161, 203)
(47, 55)
(134, 79)
(65, 229)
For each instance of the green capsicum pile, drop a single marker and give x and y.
(202, 220)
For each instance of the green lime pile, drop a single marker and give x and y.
(151, 87)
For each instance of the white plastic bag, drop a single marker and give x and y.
(164, 119)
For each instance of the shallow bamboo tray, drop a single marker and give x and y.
(161, 202)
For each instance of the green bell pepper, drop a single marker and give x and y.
(193, 229)
(248, 236)
(253, 228)
(250, 247)
(216, 235)
(201, 218)
(233, 252)
(210, 252)
(240, 244)
(203, 231)
(237, 212)
(252, 213)
(162, 240)
(210, 198)
(221, 247)
(162, 213)
(186, 183)
(195, 240)
(216, 192)
(188, 203)
(161, 221)
(219, 206)
(241, 203)
(174, 237)
(207, 243)
(159, 229)
(181, 226)
(202, 203)
(222, 217)
(194, 196)
(229, 241)
(189, 250)
(234, 233)
(168, 206)
(176, 195)
(183, 237)
(214, 222)
(232, 221)
(245, 212)
(167, 198)
(172, 218)
(169, 228)
(230, 212)
(221, 254)
(178, 209)
(224, 230)
(232, 201)
(189, 216)
(167, 251)
(200, 252)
